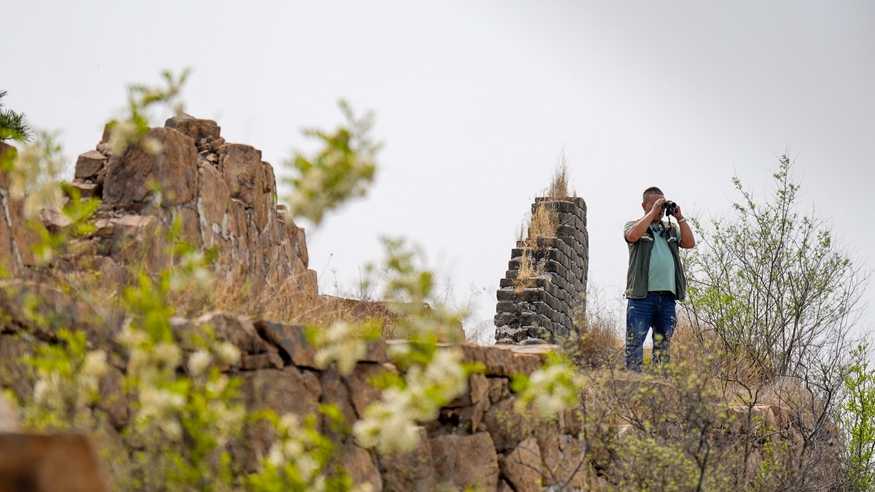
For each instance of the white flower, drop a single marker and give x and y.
(198, 362)
(228, 353)
(342, 343)
(289, 422)
(168, 353)
(275, 456)
(129, 336)
(95, 364)
(41, 391)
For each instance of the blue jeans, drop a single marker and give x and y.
(656, 311)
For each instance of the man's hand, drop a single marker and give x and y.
(677, 212)
(656, 209)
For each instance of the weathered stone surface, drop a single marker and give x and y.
(336, 392)
(241, 167)
(465, 461)
(360, 466)
(8, 416)
(569, 467)
(472, 406)
(507, 360)
(213, 196)
(195, 128)
(113, 399)
(89, 164)
(86, 190)
(284, 390)
(362, 392)
(291, 341)
(287, 390)
(173, 170)
(57, 310)
(49, 463)
(522, 467)
(507, 427)
(24, 238)
(412, 471)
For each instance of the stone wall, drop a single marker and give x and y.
(542, 304)
(477, 440)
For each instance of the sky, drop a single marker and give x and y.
(476, 102)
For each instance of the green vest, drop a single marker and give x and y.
(639, 266)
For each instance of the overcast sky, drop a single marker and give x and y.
(475, 101)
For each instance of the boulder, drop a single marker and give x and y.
(507, 427)
(195, 128)
(522, 467)
(8, 416)
(465, 461)
(507, 360)
(213, 196)
(409, 472)
(89, 165)
(360, 466)
(130, 180)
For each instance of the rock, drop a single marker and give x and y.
(252, 362)
(498, 389)
(291, 340)
(86, 190)
(571, 467)
(522, 467)
(335, 392)
(113, 399)
(465, 460)
(412, 471)
(57, 310)
(173, 170)
(507, 360)
(49, 463)
(9, 259)
(213, 196)
(241, 167)
(54, 220)
(361, 391)
(360, 466)
(8, 416)
(286, 390)
(89, 164)
(507, 427)
(24, 237)
(474, 403)
(195, 128)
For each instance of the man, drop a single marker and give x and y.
(655, 279)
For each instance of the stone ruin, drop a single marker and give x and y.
(544, 302)
(224, 196)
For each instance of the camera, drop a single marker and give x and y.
(669, 207)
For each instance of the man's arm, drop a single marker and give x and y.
(688, 241)
(636, 231)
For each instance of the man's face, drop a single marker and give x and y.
(649, 200)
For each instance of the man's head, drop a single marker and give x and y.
(649, 196)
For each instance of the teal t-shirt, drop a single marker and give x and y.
(661, 276)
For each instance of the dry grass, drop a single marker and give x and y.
(288, 302)
(558, 188)
(544, 223)
(526, 272)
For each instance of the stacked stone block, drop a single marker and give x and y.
(543, 306)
